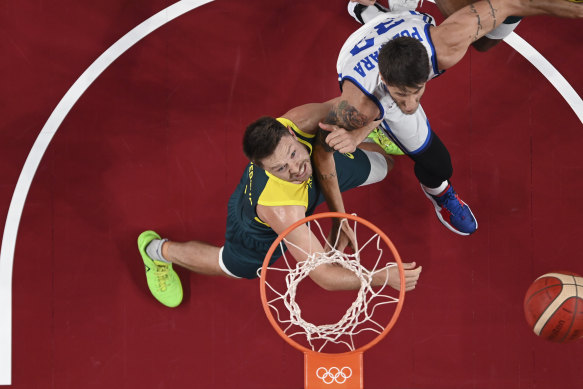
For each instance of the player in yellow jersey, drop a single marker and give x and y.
(276, 189)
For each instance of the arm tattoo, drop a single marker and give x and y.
(493, 12)
(475, 11)
(480, 27)
(324, 177)
(346, 116)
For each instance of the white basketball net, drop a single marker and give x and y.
(358, 317)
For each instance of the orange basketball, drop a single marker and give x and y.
(553, 306)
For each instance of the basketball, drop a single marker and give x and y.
(553, 306)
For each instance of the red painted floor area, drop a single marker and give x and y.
(154, 143)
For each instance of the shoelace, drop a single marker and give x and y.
(452, 202)
(380, 137)
(162, 274)
(383, 140)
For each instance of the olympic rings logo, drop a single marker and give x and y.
(334, 374)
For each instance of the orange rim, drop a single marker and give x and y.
(323, 215)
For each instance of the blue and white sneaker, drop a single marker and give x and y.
(453, 212)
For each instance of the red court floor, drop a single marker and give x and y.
(154, 143)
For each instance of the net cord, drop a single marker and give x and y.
(358, 317)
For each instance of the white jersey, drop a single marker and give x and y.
(358, 62)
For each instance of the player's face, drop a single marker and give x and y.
(290, 161)
(407, 98)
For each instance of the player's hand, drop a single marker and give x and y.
(341, 236)
(363, 2)
(340, 139)
(411, 276)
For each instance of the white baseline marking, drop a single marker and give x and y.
(36, 153)
(555, 78)
(79, 87)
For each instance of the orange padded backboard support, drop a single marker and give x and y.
(333, 371)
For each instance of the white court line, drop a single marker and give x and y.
(555, 78)
(36, 153)
(81, 85)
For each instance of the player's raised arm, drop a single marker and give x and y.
(352, 111)
(465, 26)
(308, 116)
(327, 276)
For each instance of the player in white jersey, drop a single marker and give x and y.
(383, 69)
(406, 123)
(358, 63)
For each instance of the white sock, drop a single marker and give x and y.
(154, 250)
(403, 5)
(436, 191)
(367, 13)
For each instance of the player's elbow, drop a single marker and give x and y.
(449, 48)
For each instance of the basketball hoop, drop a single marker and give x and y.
(356, 331)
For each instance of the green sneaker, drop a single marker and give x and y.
(163, 282)
(381, 139)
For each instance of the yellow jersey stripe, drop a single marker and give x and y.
(289, 123)
(279, 192)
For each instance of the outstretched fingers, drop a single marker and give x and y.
(412, 274)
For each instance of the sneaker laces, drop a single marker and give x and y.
(381, 136)
(383, 140)
(161, 273)
(452, 203)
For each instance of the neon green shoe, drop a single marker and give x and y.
(381, 139)
(163, 282)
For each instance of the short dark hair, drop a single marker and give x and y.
(262, 137)
(403, 62)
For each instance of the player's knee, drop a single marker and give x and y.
(380, 165)
(434, 177)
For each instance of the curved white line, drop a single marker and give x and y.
(36, 153)
(547, 69)
(555, 78)
(81, 85)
